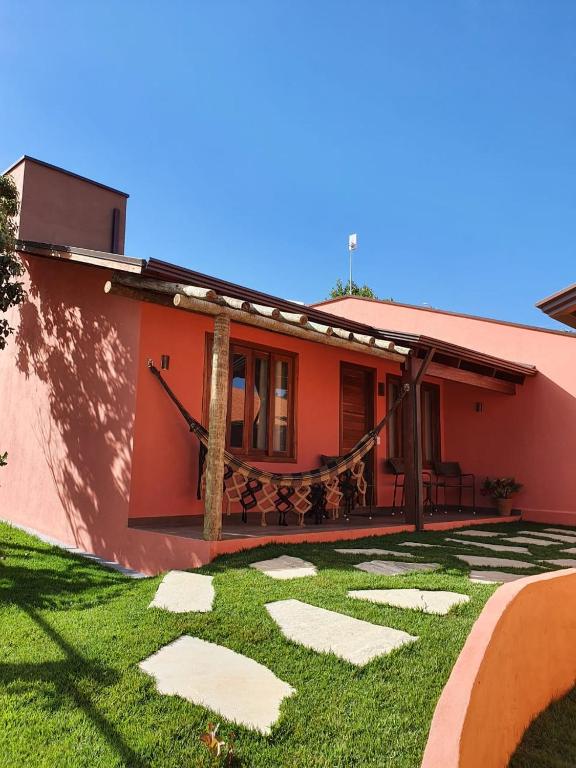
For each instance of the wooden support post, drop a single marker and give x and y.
(412, 373)
(217, 429)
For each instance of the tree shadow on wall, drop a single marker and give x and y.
(78, 350)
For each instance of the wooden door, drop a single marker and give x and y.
(357, 411)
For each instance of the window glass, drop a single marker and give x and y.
(280, 429)
(238, 400)
(260, 404)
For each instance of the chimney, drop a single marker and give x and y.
(61, 208)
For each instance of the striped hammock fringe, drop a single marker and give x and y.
(309, 477)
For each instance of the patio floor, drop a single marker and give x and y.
(369, 521)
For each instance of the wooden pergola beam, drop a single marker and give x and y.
(413, 371)
(217, 418)
(469, 377)
(139, 290)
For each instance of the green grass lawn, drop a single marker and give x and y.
(72, 634)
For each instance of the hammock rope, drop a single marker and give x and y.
(243, 482)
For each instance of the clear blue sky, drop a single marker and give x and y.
(254, 136)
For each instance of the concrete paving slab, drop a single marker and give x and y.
(494, 577)
(285, 567)
(326, 631)
(552, 536)
(566, 531)
(493, 547)
(533, 541)
(569, 551)
(393, 568)
(374, 551)
(236, 687)
(474, 532)
(497, 562)
(426, 600)
(417, 544)
(563, 562)
(183, 592)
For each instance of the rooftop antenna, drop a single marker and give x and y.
(352, 245)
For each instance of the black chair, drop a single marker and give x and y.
(397, 468)
(449, 475)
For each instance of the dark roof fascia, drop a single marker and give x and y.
(49, 250)
(425, 343)
(63, 170)
(559, 302)
(161, 270)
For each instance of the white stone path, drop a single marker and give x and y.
(326, 631)
(553, 536)
(429, 601)
(181, 592)
(494, 577)
(566, 531)
(497, 562)
(392, 568)
(417, 544)
(563, 562)
(493, 547)
(532, 541)
(480, 534)
(285, 567)
(236, 687)
(374, 551)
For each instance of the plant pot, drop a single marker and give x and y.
(504, 507)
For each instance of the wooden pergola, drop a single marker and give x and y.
(417, 355)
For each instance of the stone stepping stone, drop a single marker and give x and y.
(497, 562)
(494, 577)
(553, 536)
(417, 544)
(563, 562)
(566, 531)
(392, 568)
(285, 567)
(494, 547)
(534, 541)
(326, 631)
(183, 592)
(238, 688)
(374, 551)
(429, 601)
(480, 534)
(569, 551)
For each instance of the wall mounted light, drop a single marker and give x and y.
(478, 407)
(381, 389)
(165, 362)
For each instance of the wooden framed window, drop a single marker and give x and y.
(261, 398)
(430, 422)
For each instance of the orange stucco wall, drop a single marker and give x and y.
(67, 404)
(531, 435)
(165, 454)
(518, 658)
(57, 207)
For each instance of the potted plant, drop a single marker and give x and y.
(501, 489)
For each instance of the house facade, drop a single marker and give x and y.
(100, 458)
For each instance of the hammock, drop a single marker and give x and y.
(298, 492)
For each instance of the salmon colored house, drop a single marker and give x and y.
(101, 458)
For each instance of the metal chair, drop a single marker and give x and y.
(397, 468)
(448, 474)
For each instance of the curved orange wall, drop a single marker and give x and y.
(518, 658)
